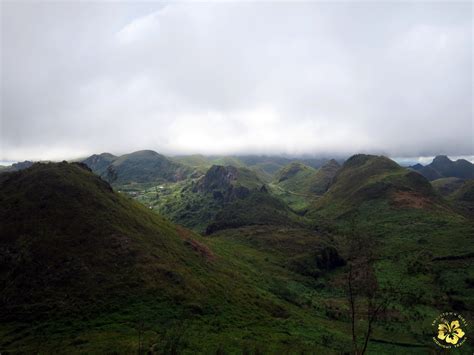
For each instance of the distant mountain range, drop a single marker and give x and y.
(149, 166)
(16, 166)
(443, 167)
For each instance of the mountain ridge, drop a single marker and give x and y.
(443, 167)
(137, 167)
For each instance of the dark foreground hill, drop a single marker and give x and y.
(68, 243)
(443, 167)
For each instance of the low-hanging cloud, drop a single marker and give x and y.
(250, 77)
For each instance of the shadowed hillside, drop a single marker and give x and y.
(139, 167)
(459, 192)
(443, 167)
(324, 176)
(99, 163)
(447, 186)
(68, 243)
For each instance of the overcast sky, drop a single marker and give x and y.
(242, 77)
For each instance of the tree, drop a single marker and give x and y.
(367, 300)
(140, 328)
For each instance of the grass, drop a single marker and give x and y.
(249, 288)
(300, 185)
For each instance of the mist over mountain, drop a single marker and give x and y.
(187, 78)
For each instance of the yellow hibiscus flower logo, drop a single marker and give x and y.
(450, 330)
(450, 333)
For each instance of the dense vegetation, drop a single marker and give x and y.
(86, 269)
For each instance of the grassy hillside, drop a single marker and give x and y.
(323, 178)
(365, 178)
(463, 198)
(99, 163)
(258, 208)
(447, 186)
(418, 238)
(227, 161)
(292, 184)
(300, 185)
(86, 270)
(143, 166)
(69, 242)
(458, 192)
(396, 206)
(266, 166)
(223, 197)
(195, 160)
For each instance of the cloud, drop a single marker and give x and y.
(316, 78)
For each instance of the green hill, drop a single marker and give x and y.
(303, 179)
(70, 244)
(460, 192)
(419, 240)
(195, 160)
(391, 202)
(223, 197)
(143, 166)
(364, 178)
(447, 186)
(99, 163)
(229, 180)
(299, 185)
(463, 198)
(227, 161)
(257, 208)
(321, 181)
(293, 170)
